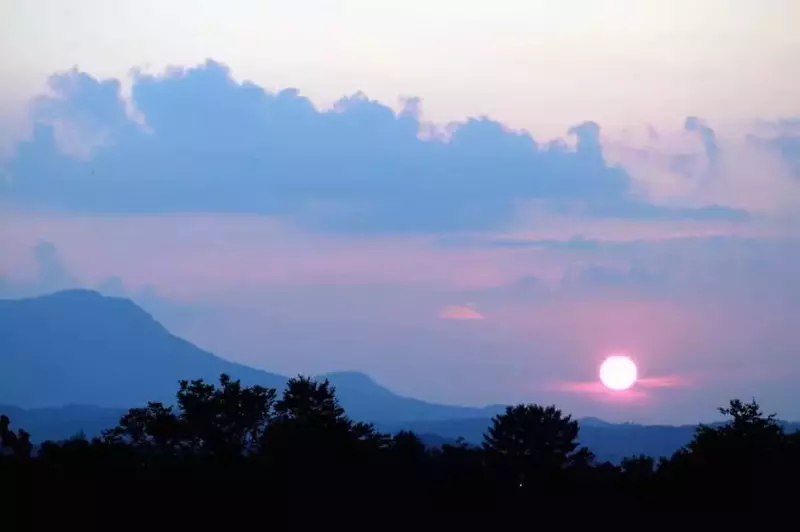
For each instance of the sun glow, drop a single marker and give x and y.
(618, 373)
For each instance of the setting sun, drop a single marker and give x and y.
(618, 373)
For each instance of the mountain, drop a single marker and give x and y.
(80, 347)
(364, 399)
(63, 422)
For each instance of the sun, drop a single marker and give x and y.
(618, 373)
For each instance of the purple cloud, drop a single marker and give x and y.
(210, 144)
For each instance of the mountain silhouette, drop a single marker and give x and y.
(364, 399)
(80, 347)
(61, 423)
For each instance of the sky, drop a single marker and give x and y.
(472, 202)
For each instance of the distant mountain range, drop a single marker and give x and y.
(77, 347)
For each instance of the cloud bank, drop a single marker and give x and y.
(195, 140)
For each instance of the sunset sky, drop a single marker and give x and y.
(472, 202)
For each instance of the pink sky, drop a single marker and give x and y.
(377, 304)
(490, 268)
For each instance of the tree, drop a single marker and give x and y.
(638, 472)
(310, 410)
(154, 428)
(748, 431)
(306, 400)
(311, 440)
(225, 420)
(747, 451)
(407, 462)
(639, 466)
(228, 420)
(408, 445)
(530, 442)
(18, 444)
(460, 469)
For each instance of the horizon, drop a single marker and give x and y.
(369, 380)
(472, 204)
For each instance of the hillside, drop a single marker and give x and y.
(366, 400)
(80, 347)
(61, 423)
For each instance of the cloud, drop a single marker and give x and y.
(203, 142)
(708, 136)
(754, 169)
(580, 277)
(466, 311)
(783, 138)
(666, 381)
(595, 391)
(51, 274)
(636, 394)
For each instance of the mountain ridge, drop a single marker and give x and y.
(81, 347)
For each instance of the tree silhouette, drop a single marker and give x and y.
(639, 466)
(18, 444)
(749, 450)
(155, 428)
(239, 446)
(311, 434)
(748, 431)
(408, 445)
(530, 444)
(227, 420)
(638, 474)
(306, 400)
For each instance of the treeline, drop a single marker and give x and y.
(229, 443)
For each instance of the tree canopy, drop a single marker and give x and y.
(226, 441)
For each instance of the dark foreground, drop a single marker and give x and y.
(229, 455)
